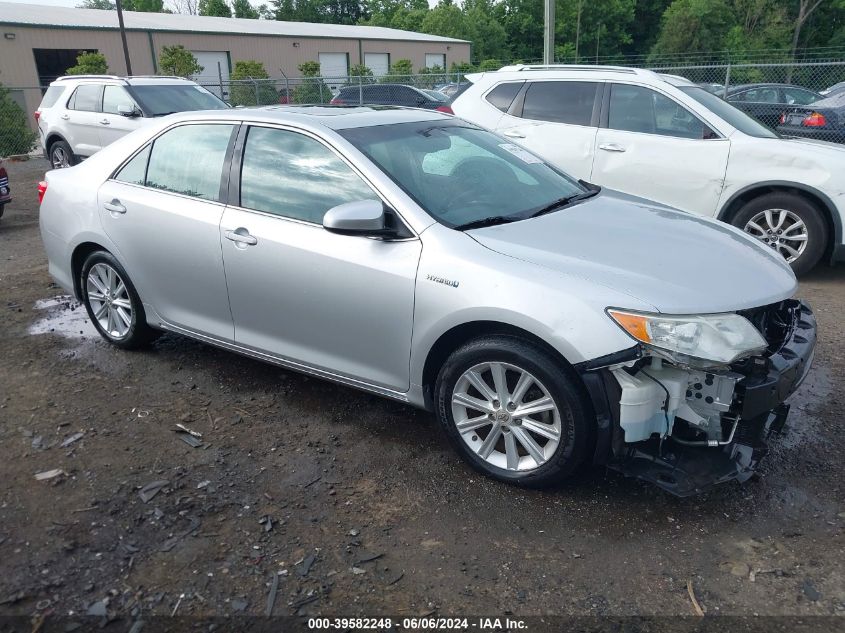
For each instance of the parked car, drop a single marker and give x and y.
(716, 89)
(389, 94)
(5, 189)
(81, 114)
(834, 89)
(824, 120)
(664, 138)
(767, 102)
(416, 256)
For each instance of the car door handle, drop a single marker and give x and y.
(105, 122)
(514, 134)
(241, 236)
(114, 206)
(612, 147)
(65, 117)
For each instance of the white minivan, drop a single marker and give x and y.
(664, 138)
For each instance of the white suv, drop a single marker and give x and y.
(664, 138)
(81, 114)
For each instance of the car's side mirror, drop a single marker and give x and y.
(128, 111)
(362, 217)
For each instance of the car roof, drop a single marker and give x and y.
(327, 116)
(577, 71)
(774, 84)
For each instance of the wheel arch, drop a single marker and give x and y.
(52, 137)
(453, 338)
(77, 259)
(823, 202)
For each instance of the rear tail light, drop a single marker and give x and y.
(3, 174)
(445, 109)
(37, 115)
(42, 189)
(782, 119)
(337, 101)
(814, 120)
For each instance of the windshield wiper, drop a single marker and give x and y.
(489, 221)
(562, 202)
(164, 113)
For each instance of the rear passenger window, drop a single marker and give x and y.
(86, 98)
(189, 160)
(502, 96)
(135, 171)
(560, 101)
(294, 176)
(51, 96)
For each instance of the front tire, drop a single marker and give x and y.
(789, 224)
(112, 303)
(61, 155)
(513, 412)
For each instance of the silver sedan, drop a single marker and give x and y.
(546, 322)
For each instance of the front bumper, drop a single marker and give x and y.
(755, 411)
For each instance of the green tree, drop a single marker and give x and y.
(103, 5)
(312, 89)
(447, 20)
(177, 60)
(89, 64)
(254, 89)
(243, 9)
(360, 73)
(17, 137)
(145, 6)
(694, 26)
(216, 8)
(488, 36)
(399, 71)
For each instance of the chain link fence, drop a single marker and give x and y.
(804, 99)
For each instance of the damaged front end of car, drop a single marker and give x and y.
(683, 422)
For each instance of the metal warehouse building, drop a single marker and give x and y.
(39, 43)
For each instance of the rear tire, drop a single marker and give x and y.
(61, 155)
(789, 224)
(113, 304)
(530, 423)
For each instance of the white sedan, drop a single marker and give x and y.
(664, 138)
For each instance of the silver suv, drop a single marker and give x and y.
(81, 114)
(411, 254)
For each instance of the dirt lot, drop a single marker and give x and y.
(357, 505)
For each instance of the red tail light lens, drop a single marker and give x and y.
(3, 173)
(42, 189)
(445, 109)
(814, 120)
(37, 115)
(337, 101)
(782, 119)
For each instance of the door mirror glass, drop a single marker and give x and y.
(362, 217)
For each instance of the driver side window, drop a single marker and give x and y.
(639, 109)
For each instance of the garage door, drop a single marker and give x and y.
(334, 65)
(435, 59)
(210, 77)
(379, 63)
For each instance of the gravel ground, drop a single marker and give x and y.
(356, 505)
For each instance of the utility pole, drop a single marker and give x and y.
(549, 32)
(119, 7)
(578, 30)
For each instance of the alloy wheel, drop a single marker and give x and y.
(781, 230)
(109, 300)
(59, 158)
(506, 416)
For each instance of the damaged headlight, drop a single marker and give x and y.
(720, 338)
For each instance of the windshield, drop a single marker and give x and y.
(461, 174)
(161, 99)
(733, 116)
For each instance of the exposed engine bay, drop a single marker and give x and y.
(685, 427)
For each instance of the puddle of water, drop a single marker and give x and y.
(65, 317)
